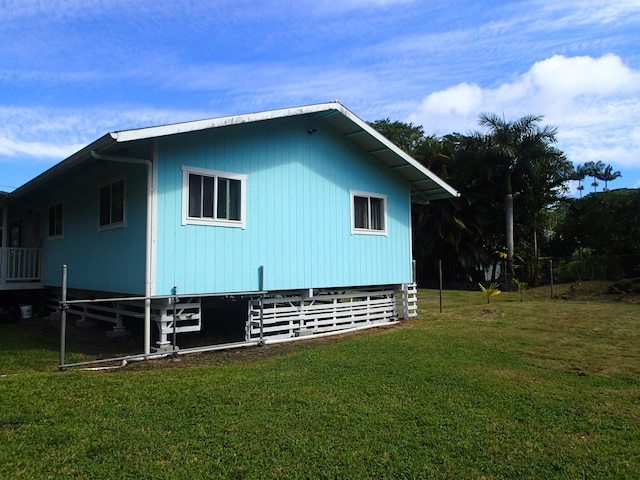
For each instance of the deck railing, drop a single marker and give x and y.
(20, 265)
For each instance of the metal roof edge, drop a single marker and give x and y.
(197, 125)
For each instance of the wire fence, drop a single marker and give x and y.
(580, 267)
(545, 272)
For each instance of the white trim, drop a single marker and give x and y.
(123, 223)
(186, 220)
(154, 220)
(368, 231)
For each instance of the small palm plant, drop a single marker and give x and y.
(491, 291)
(521, 286)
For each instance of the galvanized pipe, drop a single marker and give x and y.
(63, 320)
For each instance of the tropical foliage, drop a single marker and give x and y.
(492, 290)
(606, 223)
(521, 287)
(508, 177)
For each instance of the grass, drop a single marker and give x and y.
(540, 389)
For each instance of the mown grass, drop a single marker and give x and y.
(539, 389)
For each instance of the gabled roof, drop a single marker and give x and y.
(425, 185)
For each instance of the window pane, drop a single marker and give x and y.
(234, 200)
(361, 212)
(58, 228)
(105, 205)
(377, 213)
(207, 195)
(55, 220)
(15, 234)
(195, 195)
(52, 221)
(117, 202)
(223, 198)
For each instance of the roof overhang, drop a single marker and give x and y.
(425, 185)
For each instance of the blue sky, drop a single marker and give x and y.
(73, 70)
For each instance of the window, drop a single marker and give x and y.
(55, 221)
(368, 213)
(112, 205)
(15, 234)
(213, 198)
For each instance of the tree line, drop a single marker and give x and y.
(513, 208)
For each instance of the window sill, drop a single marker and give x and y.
(112, 226)
(214, 223)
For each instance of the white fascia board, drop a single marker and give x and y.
(185, 127)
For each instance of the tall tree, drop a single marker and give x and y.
(579, 175)
(407, 136)
(606, 224)
(541, 180)
(608, 175)
(509, 141)
(595, 170)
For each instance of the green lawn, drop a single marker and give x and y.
(539, 389)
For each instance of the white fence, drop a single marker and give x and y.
(20, 264)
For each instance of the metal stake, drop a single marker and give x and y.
(63, 320)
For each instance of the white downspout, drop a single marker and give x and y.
(148, 242)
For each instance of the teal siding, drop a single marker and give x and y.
(298, 213)
(110, 260)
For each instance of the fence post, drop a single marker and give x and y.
(440, 275)
(551, 276)
(63, 320)
(261, 285)
(175, 301)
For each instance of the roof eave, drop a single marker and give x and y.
(447, 191)
(70, 162)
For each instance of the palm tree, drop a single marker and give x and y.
(509, 141)
(542, 177)
(608, 175)
(580, 174)
(595, 170)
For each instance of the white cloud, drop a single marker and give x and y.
(593, 101)
(38, 150)
(561, 79)
(60, 133)
(462, 99)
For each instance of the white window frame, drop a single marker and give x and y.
(55, 236)
(216, 174)
(368, 195)
(122, 223)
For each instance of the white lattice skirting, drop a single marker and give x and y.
(321, 311)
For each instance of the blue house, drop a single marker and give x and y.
(306, 204)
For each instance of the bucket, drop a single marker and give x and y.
(26, 311)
